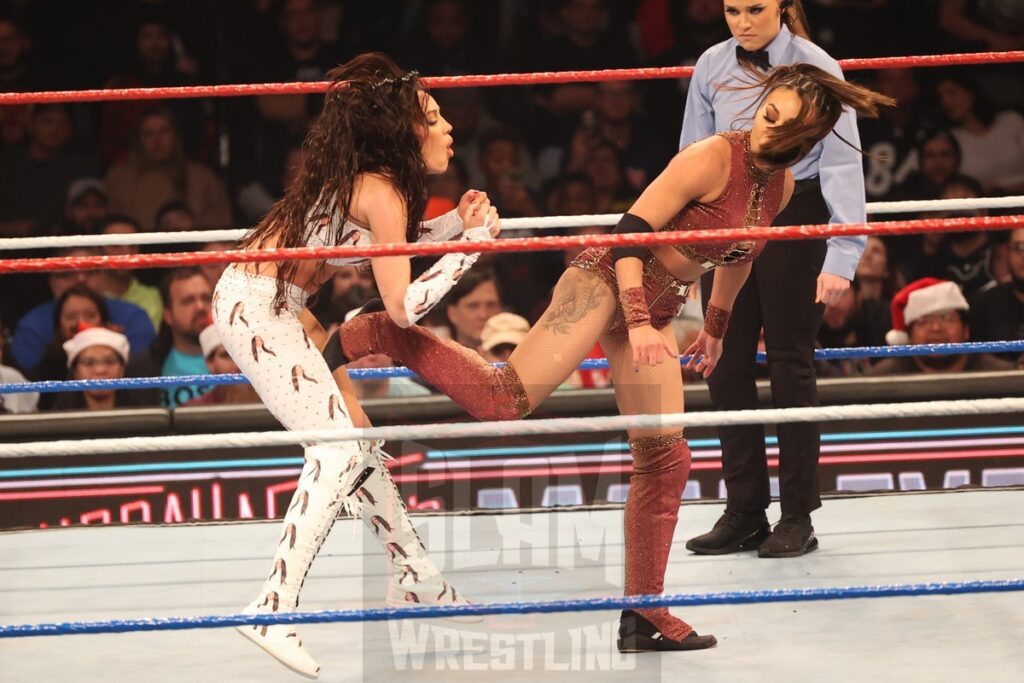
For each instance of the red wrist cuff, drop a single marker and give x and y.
(634, 307)
(716, 321)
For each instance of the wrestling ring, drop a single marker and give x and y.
(918, 586)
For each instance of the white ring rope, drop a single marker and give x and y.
(515, 428)
(966, 204)
(507, 224)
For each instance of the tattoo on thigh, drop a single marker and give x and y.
(574, 299)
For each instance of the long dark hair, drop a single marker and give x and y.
(822, 96)
(795, 18)
(84, 291)
(53, 364)
(372, 122)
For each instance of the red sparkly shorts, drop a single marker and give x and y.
(665, 294)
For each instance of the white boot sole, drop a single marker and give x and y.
(266, 646)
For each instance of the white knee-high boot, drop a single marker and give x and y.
(329, 475)
(415, 579)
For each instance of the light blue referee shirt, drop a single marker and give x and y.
(709, 110)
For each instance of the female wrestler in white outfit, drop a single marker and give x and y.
(364, 181)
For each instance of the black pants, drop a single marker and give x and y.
(780, 296)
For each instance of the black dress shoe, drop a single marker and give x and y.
(733, 532)
(793, 536)
(636, 634)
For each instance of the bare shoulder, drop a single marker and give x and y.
(370, 191)
(713, 153)
(703, 167)
(374, 187)
(377, 203)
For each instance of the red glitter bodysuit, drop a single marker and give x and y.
(751, 198)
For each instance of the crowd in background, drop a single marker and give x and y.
(580, 148)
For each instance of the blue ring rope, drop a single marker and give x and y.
(584, 605)
(588, 364)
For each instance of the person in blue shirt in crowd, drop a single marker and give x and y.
(187, 297)
(36, 330)
(788, 286)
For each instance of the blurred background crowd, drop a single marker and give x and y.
(581, 148)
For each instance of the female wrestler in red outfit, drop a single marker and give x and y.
(626, 298)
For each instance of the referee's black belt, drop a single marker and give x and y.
(806, 185)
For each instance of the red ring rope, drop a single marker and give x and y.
(233, 90)
(791, 232)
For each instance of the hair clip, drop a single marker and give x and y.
(405, 78)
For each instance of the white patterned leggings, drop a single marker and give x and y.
(280, 361)
(291, 376)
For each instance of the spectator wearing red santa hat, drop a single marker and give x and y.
(932, 311)
(96, 353)
(218, 362)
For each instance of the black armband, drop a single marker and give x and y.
(630, 224)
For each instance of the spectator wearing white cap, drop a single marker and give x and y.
(501, 335)
(96, 353)
(219, 362)
(932, 311)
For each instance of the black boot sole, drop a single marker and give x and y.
(638, 642)
(811, 546)
(751, 542)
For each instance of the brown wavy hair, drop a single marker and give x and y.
(372, 122)
(794, 17)
(822, 97)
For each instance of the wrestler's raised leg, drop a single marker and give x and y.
(582, 306)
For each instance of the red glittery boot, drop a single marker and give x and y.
(661, 465)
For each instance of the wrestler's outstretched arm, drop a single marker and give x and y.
(407, 300)
(450, 226)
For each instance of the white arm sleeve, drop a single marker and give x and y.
(425, 291)
(445, 227)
